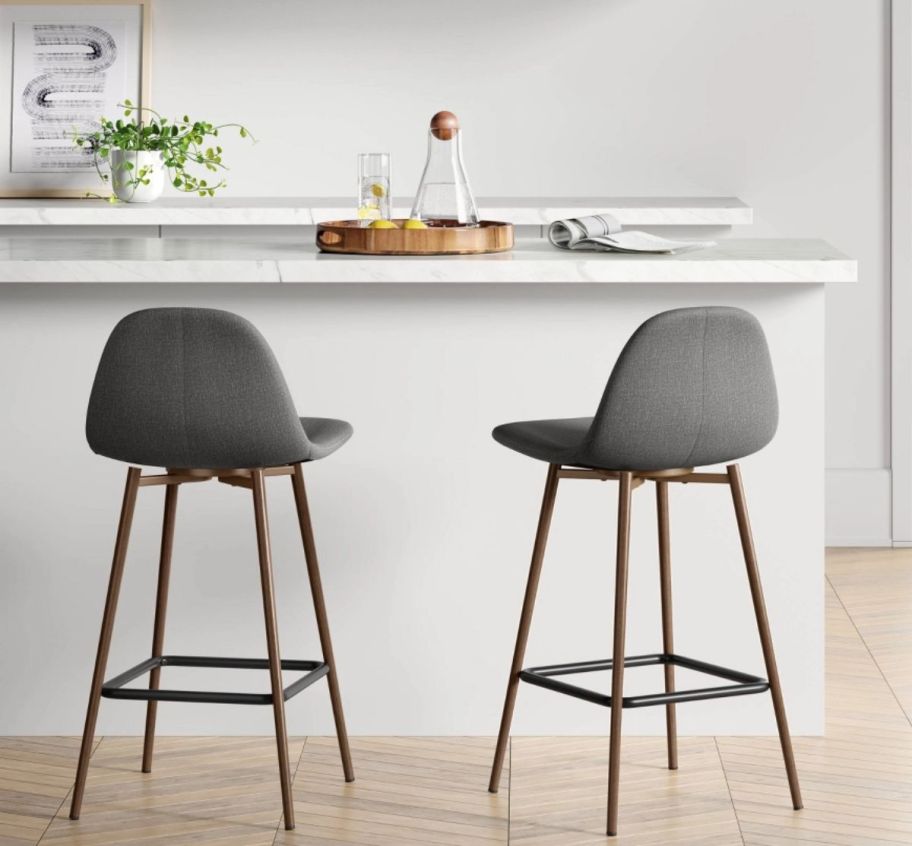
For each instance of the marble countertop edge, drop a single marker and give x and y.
(772, 261)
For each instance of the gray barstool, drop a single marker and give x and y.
(692, 387)
(199, 392)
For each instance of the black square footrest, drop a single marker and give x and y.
(743, 683)
(114, 689)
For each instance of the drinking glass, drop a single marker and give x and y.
(373, 187)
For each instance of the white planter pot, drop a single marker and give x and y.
(150, 161)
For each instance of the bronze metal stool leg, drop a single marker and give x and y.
(316, 590)
(272, 643)
(525, 622)
(104, 640)
(161, 608)
(671, 728)
(766, 640)
(617, 667)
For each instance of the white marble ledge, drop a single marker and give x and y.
(288, 260)
(304, 211)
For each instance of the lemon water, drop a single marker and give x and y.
(374, 198)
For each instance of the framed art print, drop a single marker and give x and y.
(63, 65)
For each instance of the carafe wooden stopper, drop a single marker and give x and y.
(444, 125)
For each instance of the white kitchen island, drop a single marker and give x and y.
(424, 524)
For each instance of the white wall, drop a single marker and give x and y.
(783, 104)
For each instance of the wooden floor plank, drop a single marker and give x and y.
(856, 781)
(409, 792)
(558, 793)
(217, 791)
(36, 774)
(875, 588)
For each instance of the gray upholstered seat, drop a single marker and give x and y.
(693, 386)
(199, 388)
(325, 434)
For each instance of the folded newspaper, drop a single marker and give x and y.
(601, 232)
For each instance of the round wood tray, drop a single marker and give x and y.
(351, 236)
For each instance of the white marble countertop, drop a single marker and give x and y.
(303, 211)
(292, 260)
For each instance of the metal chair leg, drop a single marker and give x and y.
(104, 640)
(766, 640)
(161, 608)
(671, 728)
(316, 590)
(525, 622)
(617, 669)
(272, 643)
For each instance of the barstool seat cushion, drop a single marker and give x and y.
(554, 441)
(199, 388)
(325, 434)
(692, 387)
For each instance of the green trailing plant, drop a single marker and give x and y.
(182, 143)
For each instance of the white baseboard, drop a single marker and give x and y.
(858, 508)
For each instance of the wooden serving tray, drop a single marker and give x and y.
(351, 236)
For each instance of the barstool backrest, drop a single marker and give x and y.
(692, 387)
(192, 388)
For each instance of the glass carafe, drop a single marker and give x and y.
(444, 197)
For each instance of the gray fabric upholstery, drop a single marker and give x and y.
(195, 387)
(325, 435)
(693, 386)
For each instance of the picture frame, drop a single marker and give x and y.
(95, 51)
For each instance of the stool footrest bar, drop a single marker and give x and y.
(742, 683)
(114, 688)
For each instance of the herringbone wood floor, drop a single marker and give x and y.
(857, 781)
